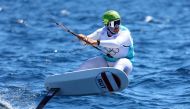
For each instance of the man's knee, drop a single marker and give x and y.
(125, 64)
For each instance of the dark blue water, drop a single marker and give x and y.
(32, 48)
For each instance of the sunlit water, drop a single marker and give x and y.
(32, 48)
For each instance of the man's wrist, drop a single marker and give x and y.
(98, 42)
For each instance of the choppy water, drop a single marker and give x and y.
(32, 48)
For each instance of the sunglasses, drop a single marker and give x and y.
(114, 24)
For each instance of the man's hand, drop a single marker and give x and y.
(82, 37)
(88, 40)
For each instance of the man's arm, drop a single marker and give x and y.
(88, 40)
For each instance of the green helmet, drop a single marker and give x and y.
(110, 15)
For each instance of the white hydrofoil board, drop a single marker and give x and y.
(87, 82)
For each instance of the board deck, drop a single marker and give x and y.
(88, 82)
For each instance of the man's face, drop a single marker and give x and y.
(113, 26)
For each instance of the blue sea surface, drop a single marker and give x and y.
(32, 48)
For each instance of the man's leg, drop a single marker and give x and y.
(95, 62)
(124, 64)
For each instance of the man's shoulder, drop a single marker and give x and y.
(124, 30)
(101, 29)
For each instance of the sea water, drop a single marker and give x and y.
(32, 48)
